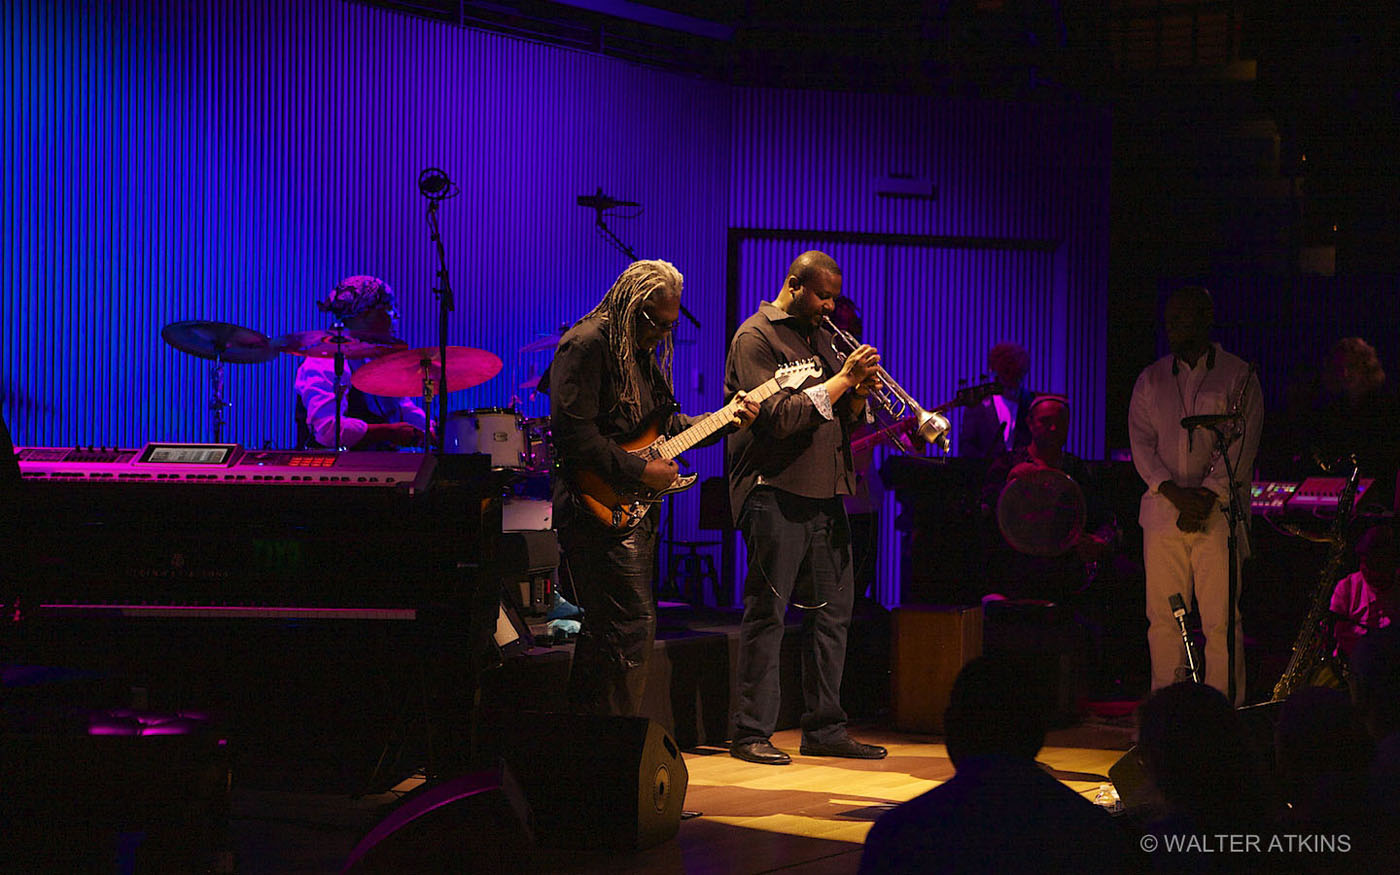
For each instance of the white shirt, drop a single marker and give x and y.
(1006, 407)
(1362, 608)
(1163, 450)
(315, 383)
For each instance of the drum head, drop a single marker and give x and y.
(1041, 513)
(485, 411)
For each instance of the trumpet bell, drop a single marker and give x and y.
(933, 427)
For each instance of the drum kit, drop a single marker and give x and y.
(394, 370)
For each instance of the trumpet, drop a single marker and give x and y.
(892, 402)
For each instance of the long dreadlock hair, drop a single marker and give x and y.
(618, 313)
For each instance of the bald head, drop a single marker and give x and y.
(1195, 298)
(807, 265)
(1189, 317)
(812, 286)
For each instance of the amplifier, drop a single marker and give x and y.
(226, 464)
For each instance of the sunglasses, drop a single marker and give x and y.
(659, 326)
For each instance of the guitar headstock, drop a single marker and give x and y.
(794, 374)
(970, 395)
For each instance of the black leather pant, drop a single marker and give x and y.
(612, 578)
(799, 552)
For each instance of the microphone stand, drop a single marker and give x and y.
(443, 291)
(631, 255)
(217, 404)
(338, 340)
(670, 514)
(1179, 612)
(1234, 515)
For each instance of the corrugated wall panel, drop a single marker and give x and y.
(1013, 247)
(232, 161)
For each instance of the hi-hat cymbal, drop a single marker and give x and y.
(540, 344)
(401, 373)
(219, 341)
(319, 343)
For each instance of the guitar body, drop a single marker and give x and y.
(625, 510)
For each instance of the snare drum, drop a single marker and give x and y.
(496, 431)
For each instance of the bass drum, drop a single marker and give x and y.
(495, 431)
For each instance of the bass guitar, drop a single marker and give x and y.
(624, 510)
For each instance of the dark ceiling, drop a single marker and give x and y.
(1269, 125)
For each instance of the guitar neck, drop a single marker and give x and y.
(711, 423)
(865, 442)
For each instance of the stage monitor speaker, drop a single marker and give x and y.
(593, 781)
(931, 645)
(477, 822)
(1135, 787)
(1130, 780)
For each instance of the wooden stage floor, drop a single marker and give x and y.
(810, 817)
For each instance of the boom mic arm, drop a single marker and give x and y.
(600, 202)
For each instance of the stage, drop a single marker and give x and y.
(809, 817)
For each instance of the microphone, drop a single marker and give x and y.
(434, 184)
(1206, 420)
(600, 201)
(1178, 608)
(1179, 613)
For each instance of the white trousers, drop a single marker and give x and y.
(1198, 564)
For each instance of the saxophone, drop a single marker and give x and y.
(1311, 652)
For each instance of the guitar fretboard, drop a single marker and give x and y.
(711, 423)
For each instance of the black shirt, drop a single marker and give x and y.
(790, 446)
(585, 417)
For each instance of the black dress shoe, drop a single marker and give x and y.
(846, 747)
(762, 752)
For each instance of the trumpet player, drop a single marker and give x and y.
(787, 476)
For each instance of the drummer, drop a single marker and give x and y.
(1054, 578)
(364, 305)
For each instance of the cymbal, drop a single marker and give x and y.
(531, 383)
(401, 373)
(219, 341)
(319, 343)
(540, 344)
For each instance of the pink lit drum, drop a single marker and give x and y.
(496, 431)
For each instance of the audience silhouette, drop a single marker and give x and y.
(1001, 811)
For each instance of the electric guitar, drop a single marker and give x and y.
(624, 510)
(965, 397)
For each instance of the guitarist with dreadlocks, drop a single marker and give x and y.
(610, 394)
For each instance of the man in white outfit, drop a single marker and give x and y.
(1183, 513)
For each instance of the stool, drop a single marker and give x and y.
(931, 645)
(692, 568)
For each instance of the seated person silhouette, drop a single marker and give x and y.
(1001, 811)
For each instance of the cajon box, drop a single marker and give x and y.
(931, 645)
